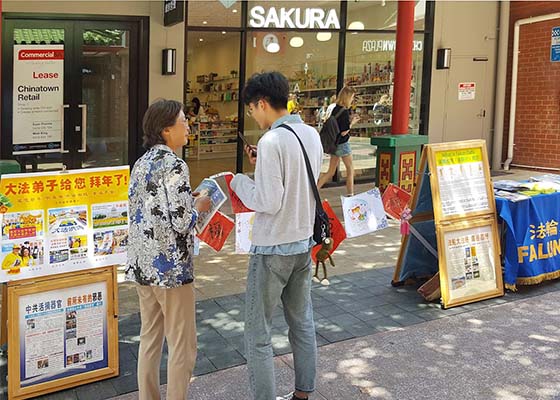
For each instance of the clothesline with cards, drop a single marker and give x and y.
(363, 213)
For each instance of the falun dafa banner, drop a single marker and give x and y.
(61, 222)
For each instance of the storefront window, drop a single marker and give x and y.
(369, 68)
(309, 61)
(380, 15)
(222, 13)
(213, 82)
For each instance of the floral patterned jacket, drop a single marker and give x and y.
(162, 219)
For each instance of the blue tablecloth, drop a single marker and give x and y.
(532, 242)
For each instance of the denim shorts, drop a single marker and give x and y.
(343, 150)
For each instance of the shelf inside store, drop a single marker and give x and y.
(368, 85)
(218, 129)
(316, 90)
(218, 144)
(217, 137)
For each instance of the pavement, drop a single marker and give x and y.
(360, 310)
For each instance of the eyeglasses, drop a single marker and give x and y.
(250, 112)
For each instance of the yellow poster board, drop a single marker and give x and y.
(62, 332)
(453, 225)
(60, 222)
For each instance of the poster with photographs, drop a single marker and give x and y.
(470, 263)
(62, 222)
(461, 179)
(62, 333)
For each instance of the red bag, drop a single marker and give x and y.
(236, 203)
(217, 231)
(338, 233)
(395, 201)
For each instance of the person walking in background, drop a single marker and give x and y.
(280, 262)
(343, 150)
(163, 213)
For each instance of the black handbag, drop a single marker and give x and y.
(322, 225)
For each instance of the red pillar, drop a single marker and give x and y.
(403, 67)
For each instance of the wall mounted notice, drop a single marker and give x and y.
(54, 223)
(555, 44)
(62, 333)
(467, 91)
(38, 96)
(461, 181)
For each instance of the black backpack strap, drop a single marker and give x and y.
(309, 170)
(339, 112)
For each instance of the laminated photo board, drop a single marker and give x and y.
(363, 213)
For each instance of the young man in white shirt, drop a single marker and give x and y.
(280, 268)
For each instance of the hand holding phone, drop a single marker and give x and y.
(252, 150)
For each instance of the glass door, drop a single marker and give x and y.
(105, 55)
(71, 93)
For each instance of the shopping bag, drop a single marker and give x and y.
(363, 213)
(338, 234)
(244, 232)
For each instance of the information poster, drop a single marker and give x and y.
(462, 182)
(63, 222)
(62, 333)
(38, 97)
(469, 261)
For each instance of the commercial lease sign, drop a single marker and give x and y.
(38, 95)
(555, 44)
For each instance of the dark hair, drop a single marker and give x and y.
(196, 102)
(270, 86)
(160, 115)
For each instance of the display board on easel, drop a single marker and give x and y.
(453, 225)
(62, 234)
(62, 332)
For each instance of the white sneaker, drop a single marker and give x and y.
(288, 396)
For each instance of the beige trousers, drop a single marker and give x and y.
(170, 314)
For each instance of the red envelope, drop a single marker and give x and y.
(338, 233)
(395, 200)
(217, 231)
(236, 203)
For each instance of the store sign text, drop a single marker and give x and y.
(369, 46)
(308, 18)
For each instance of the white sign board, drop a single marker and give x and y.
(38, 96)
(467, 91)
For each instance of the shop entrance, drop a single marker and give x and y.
(72, 92)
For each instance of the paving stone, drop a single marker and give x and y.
(384, 324)
(429, 315)
(64, 395)
(125, 383)
(368, 314)
(336, 336)
(406, 319)
(227, 359)
(96, 391)
(330, 311)
(344, 319)
(203, 366)
(360, 329)
(388, 310)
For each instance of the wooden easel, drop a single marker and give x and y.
(439, 224)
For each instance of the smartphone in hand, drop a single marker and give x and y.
(246, 143)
